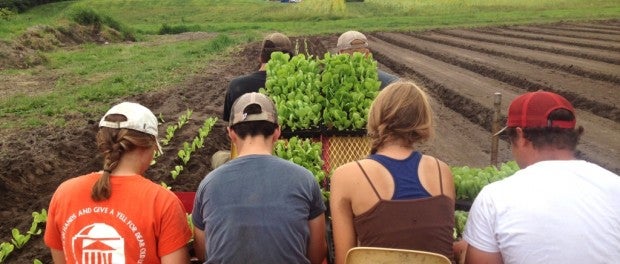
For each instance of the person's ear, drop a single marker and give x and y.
(276, 134)
(231, 134)
(367, 53)
(520, 139)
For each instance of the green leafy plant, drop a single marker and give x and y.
(163, 184)
(197, 142)
(306, 153)
(177, 170)
(5, 249)
(186, 153)
(37, 218)
(169, 134)
(350, 83)
(191, 226)
(19, 240)
(34, 230)
(37, 261)
(460, 218)
(207, 125)
(336, 91)
(469, 181)
(293, 84)
(40, 217)
(183, 119)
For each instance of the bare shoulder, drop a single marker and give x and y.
(430, 160)
(429, 173)
(351, 171)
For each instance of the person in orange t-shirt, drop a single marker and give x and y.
(116, 215)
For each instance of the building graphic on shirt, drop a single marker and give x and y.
(98, 244)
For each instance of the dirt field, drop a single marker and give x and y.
(460, 68)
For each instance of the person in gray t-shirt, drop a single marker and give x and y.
(258, 208)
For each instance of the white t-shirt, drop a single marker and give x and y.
(550, 212)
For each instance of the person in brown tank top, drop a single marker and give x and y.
(384, 201)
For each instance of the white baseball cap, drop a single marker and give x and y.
(139, 118)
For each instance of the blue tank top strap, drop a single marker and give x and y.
(368, 178)
(407, 183)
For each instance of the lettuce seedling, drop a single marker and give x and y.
(18, 239)
(5, 249)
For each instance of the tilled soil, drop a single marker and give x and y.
(460, 68)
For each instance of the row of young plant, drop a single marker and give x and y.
(18, 239)
(197, 142)
(334, 92)
(189, 147)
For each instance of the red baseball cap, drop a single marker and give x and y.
(532, 110)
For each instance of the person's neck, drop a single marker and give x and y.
(131, 163)
(551, 154)
(395, 150)
(254, 146)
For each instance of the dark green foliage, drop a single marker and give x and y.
(6, 14)
(23, 5)
(127, 32)
(177, 29)
(87, 17)
(219, 43)
(90, 17)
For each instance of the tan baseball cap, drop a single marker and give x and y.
(267, 107)
(277, 42)
(351, 39)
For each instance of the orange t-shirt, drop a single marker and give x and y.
(140, 223)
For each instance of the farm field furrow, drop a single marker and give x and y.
(612, 28)
(471, 93)
(514, 42)
(587, 29)
(502, 36)
(585, 68)
(453, 135)
(600, 140)
(599, 98)
(465, 87)
(583, 39)
(566, 32)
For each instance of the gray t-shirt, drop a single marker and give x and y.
(255, 209)
(385, 78)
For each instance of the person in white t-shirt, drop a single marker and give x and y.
(556, 209)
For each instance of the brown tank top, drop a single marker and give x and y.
(419, 224)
